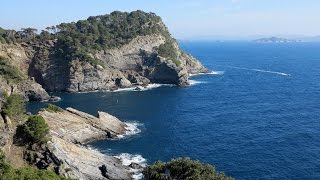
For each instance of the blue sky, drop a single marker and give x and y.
(186, 19)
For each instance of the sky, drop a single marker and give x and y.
(186, 19)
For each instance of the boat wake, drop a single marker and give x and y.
(272, 72)
(135, 162)
(259, 70)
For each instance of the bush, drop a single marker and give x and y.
(10, 72)
(167, 50)
(183, 168)
(14, 106)
(7, 172)
(53, 108)
(36, 130)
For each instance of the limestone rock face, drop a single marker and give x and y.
(70, 129)
(135, 63)
(20, 57)
(17, 54)
(81, 163)
(79, 127)
(30, 90)
(112, 123)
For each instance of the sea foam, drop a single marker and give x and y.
(195, 82)
(127, 159)
(209, 73)
(131, 129)
(143, 88)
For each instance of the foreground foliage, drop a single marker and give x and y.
(35, 130)
(182, 169)
(7, 172)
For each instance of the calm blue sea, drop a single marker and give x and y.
(257, 119)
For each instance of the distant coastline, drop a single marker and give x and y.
(277, 40)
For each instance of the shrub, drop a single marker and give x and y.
(183, 168)
(10, 72)
(167, 50)
(36, 130)
(53, 108)
(14, 106)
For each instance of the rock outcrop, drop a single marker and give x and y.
(136, 63)
(107, 61)
(18, 57)
(29, 89)
(70, 129)
(82, 163)
(80, 128)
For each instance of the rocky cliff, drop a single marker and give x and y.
(14, 65)
(69, 130)
(105, 53)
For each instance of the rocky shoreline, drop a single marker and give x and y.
(66, 60)
(70, 130)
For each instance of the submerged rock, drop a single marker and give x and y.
(135, 166)
(54, 99)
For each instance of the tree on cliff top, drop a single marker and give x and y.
(77, 39)
(183, 168)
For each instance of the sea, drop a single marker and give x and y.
(256, 116)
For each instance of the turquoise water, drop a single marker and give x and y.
(259, 118)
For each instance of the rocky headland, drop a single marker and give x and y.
(108, 52)
(105, 52)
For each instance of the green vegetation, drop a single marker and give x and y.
(12, 36)
(14, 106)
(7, 172)
(168, 50)
(183, 168)
(36, 130)
(78, 40)
(10, 72)
(53, 108)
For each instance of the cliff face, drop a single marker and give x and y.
(135, 63)
(15, 60)
(104, 53)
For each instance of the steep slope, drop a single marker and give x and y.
(14, 63)
(105, 53)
